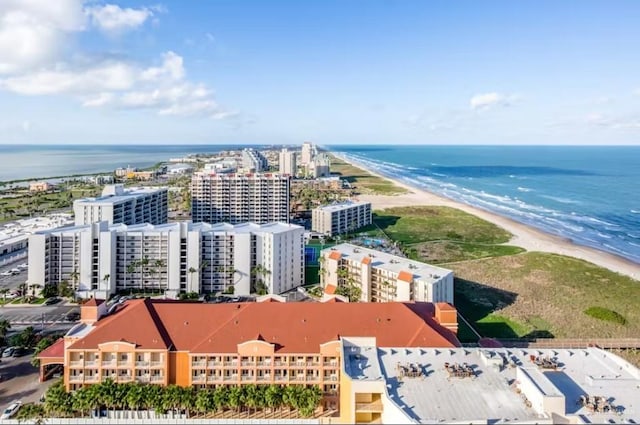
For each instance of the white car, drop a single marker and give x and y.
(6, 273)
(15, 271)
(23, 266)
(11, 410)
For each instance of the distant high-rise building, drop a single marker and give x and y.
(101, 259)
(287, 162)
(340, 218)
(254, 161)
(126, 206)
(307, 153)
(239, 198)
(320, 166)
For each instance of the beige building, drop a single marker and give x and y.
(320, 166)
(40, 186)
(118, 204)
(341, 218)
(384, 277)
(287, 162)
(239, 198)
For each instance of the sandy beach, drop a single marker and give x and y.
(524, 236)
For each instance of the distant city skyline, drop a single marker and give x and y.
(333, 72)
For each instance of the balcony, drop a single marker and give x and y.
(278, 363)
(125, 363)
(312, 378)
(144, 378)
(91, 378)
(157, 364)
(157, 378)
(280, 378)
(331, 377)
(125, 378)
(108, 363)
(213, 364)
(247, 363)
(248, 378)
(264, 378)
(199, 364)
(76, 363)
(76, 378)
(92, 363)
(199, 379)
(231, 364)
(374, 406)
(142, 364)
(230, 378)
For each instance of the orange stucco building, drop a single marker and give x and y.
(208, 345)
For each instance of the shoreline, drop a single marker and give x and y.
(524, 236)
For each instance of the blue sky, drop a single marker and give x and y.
(466, 72)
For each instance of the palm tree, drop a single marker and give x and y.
(74, 275)
(234, 397)
(220, 398)
(4, 292)
(273, 397)
(81, 400)
(131, 269)
(144, 264)
(22, 288)
(105, 279)
(159, 265)
(5, 325)
(57, 400)
(204, 402)
(191, 272)
(259, 272)
(34, 287)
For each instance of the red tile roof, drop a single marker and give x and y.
(405, 276)
(335, 255)
(292, 327)
(55, 350)
(330, 289)
(93, 302)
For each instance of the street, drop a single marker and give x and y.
(38, 314)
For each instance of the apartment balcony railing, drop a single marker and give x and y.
(231, 364)
(299, 378)
(331, 377)
(264, 378)
(76, 378)
(280, 378)
(107, 363)
(264, 364)
(142, 364)
(91, 363)
(375, 406)
(157, 378)
(311, 364)
(312, 378)
(214, 364)
(92, 378)
(201, 363)
(247, 363)
(230, 378)
(248, 378)
(157, 364)
(199, 378)
(125, 378)
(142, 378)
(278, 363)
(124, 363)
(76, 363)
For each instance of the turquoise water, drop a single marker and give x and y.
(590, 195)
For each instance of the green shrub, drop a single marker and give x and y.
(605, 314)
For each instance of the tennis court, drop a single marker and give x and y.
(311, 254)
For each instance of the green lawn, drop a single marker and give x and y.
(311, 275)
(362, 180)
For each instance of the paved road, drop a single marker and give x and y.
(38, 314)
(12, 282)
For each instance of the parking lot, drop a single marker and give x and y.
(14, 280)
(20, 381)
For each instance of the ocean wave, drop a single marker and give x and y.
(438, 174)
(524, 189)
(560, 199)
(604, 236)
(634, 211)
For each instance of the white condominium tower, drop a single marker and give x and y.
(287, 162)
(320, 166)
(340, 218)
(383, 277)
(126, 206)
(100, 259)
(307, 153)
(254, 161)
(239, 198)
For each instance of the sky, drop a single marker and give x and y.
(356, 72)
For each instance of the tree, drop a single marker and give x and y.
(131, 269)
(5, 325)
(4, 292)
(191, 270)
(22, 289)
(273, 396)
(135, 396)
(42, 345)
(74, 276)
(26, 338)
(82, 400)
(234, 397)
(57, 400)
(159, 265)
(204, 402)
(34, 287)
(220, 398)
(259, 273)
(105, 279)
(49, 291)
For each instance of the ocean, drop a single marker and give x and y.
(39, 161)
(590, 195)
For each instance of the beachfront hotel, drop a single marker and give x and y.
(123, 205)
(101, 259)
(287, 162)
(253, 161)
(341, 218)
(307, 153)
(209, 345)
(383, 277)
(399, 385)
(239, 198)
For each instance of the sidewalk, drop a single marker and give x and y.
(65, 303)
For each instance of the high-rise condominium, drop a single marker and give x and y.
(101, 259)
(239, 198)
(307, 153)
(254, 161)
(126, 206)
(287, 162)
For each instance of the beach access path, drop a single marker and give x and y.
(524, 236)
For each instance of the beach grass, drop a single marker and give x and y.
(545, 295)
(362, 180)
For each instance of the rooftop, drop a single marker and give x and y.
(490, 392)
(291, 328)
(114, 194)
(343, 206)
(403, 267)
(188, 226)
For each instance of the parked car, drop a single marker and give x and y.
(72, 316)
(52, 300)
(15, 271)
(8, 352)
(23, 266)
(19, 352)
(11, 410)
(6, 273)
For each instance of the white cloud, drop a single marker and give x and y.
(172, 67)
(32, 32)
(488, 100)
(26, 126)
(615, 123)
(113, 19)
